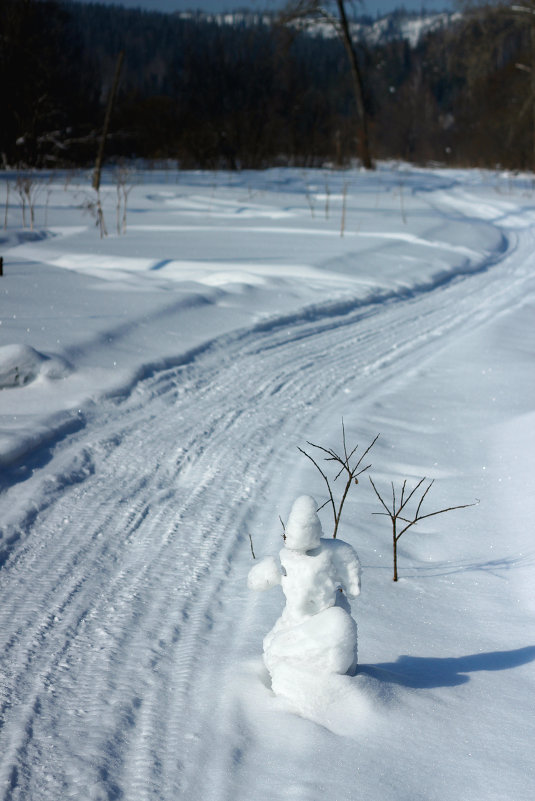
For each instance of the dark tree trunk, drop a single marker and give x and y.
(100, 154)
(364, 141)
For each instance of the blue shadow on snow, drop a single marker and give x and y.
(425, 673)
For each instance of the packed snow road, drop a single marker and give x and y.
(125, 615)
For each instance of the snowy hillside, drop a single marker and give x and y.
(155, 388)
(387, 28)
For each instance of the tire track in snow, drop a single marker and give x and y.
(116, 630)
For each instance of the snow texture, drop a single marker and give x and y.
(21, 364)
(230, 325)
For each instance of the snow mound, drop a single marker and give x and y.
(22, 364)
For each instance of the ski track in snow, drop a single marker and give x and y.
(126, 567)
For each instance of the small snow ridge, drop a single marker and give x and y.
(10, 239)
(22, 364)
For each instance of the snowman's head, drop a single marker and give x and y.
(303, 529)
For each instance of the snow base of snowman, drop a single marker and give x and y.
(315, 637)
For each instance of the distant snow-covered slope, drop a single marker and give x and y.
(388, 28)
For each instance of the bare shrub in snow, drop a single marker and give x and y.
(398, 511)
(27, 188)
(124, 184)
(93, 206)
(6, 207)
(343, 467)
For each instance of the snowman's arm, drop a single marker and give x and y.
(347, 567)
(264, 575)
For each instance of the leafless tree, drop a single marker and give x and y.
(6, 209)
(523, 12)
(398, 511)
(344, 205)
(343, 467)
(109, 108)
(93, 206)
(49, 190)
(27, 189)
(526, 11)
(124, 185)
(334, 12)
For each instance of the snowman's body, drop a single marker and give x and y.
(315, 631)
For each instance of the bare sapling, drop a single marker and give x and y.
(344, 468)
(96, 207)
(6, 210)
(124, 185)
(49, 190)
(27, 189)
(109, 108)
(344, 202)
(93, 206)
(22, 195)
(327, 197)
(99, 216)
(310, 200)
(402, 202)
(398, 511)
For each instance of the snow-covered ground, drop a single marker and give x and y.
(155, 388)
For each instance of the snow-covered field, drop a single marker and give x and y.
(155, 388)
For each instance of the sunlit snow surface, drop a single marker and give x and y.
(155, 387)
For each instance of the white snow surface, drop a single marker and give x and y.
(155, 388)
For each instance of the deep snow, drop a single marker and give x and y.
(156, 386)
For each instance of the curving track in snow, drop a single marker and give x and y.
(122, 598)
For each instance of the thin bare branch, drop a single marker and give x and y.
(411, 493)
(344, 441)
(316, 465)
(360, 472)
(439, 512)
(368, 449)
(423, 498)
(389, 513)
(332, 456)
(353, 451)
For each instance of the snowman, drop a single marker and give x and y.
(315, 635)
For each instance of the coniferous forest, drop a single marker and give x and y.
(256, 93)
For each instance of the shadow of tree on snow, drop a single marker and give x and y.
(421, 672)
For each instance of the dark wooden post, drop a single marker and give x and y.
(1, 266)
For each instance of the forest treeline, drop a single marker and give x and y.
(254, 94)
